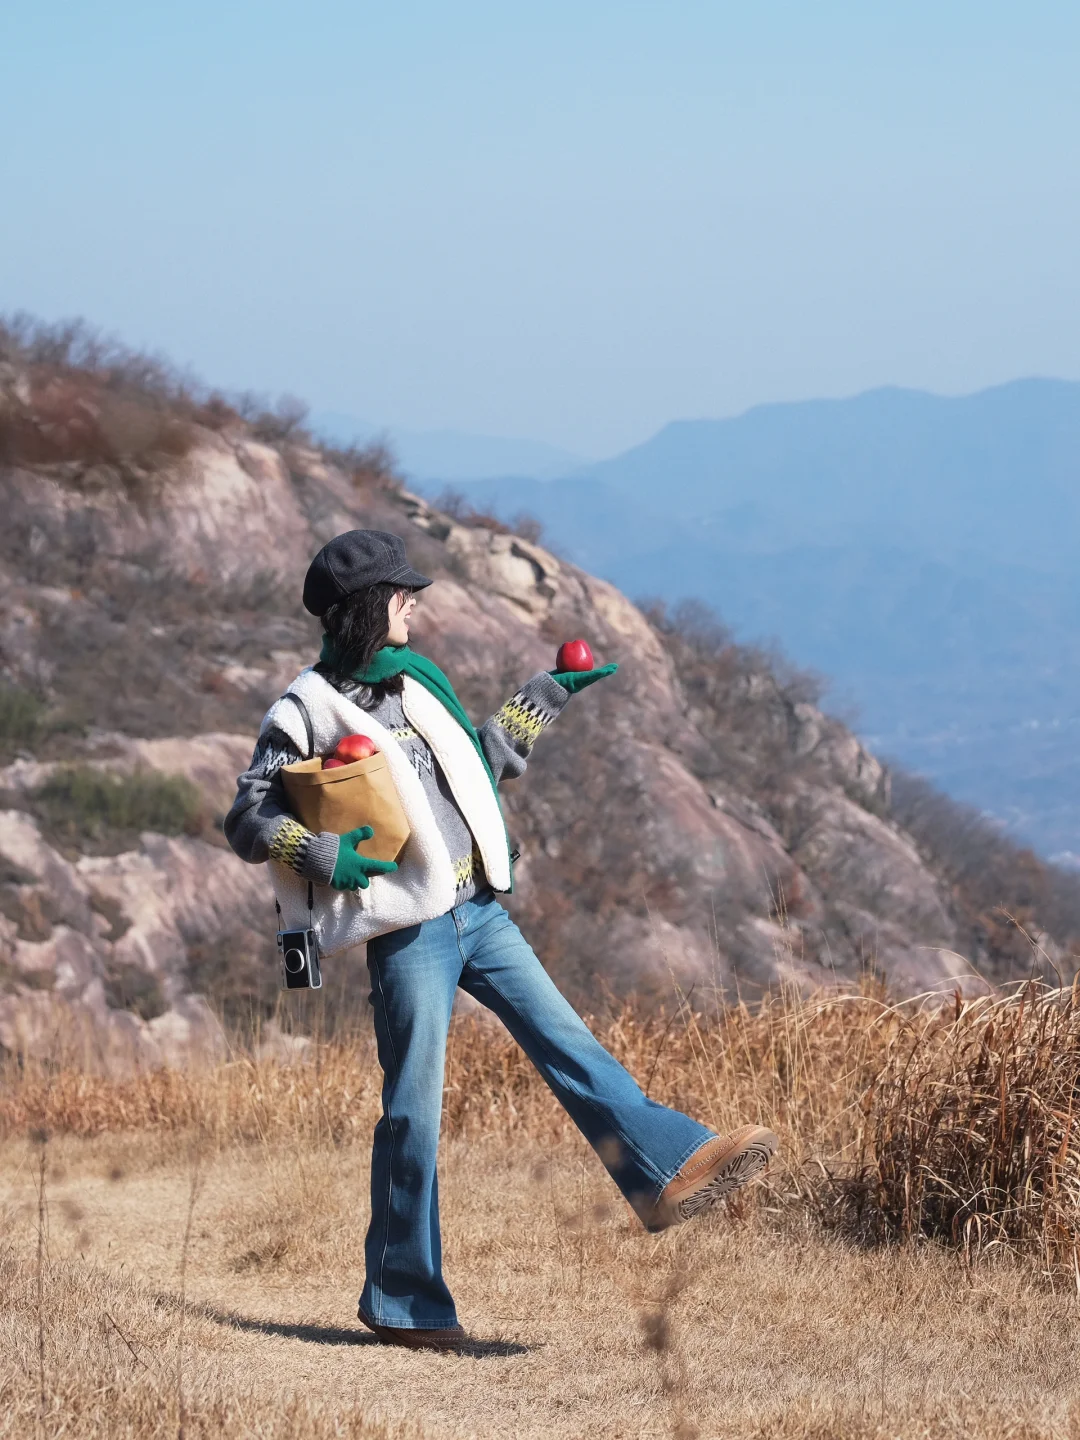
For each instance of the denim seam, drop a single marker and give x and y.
(393, 1145)
(571, 1085)
(465, 961)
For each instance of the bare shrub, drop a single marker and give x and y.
(1002, 891)
(740, 699)
(73, 348)
(371, 466)
(453, 502)
(273, 421)
(528, 526)
(78, 418)
(456, 504)
(73, 345)
(89, 399)
(86, 398)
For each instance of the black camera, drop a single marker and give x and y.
(299, 960)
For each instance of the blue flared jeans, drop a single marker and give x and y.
(414, 974)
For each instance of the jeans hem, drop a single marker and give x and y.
(407, 1324)
(689, 1155)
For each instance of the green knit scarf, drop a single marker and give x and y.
(400, 660)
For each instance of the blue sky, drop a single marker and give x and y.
(568, 221)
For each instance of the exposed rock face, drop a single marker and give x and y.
(154, 610)
(87, 925)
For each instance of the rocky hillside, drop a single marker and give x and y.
(696, 819)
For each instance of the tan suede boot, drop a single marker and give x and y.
(451, 1339)
(723, 1164)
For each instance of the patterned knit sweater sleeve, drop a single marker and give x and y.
(260, 825)
(510, 734)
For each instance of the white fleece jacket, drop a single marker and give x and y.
(424, 884)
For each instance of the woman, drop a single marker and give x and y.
(432, 923)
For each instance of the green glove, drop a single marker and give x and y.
(575, 680)
(351, 872)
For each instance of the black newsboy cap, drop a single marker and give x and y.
(351, 561)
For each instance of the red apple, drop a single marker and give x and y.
(332, 762)
(574, 655)
(355, 747)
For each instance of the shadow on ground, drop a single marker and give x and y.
(331, 1334)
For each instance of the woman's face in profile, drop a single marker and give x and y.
(399, 613)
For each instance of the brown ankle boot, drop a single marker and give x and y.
(452, 1338)
(723, 1164)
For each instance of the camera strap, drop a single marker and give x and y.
(310, 906)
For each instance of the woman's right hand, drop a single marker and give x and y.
(353, 871)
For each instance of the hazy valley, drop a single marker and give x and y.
(917, 551)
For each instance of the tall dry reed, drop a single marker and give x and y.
(969, 1129)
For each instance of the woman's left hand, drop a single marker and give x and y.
(574, 680)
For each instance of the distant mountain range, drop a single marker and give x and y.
(920, 551)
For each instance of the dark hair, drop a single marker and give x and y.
(357, 627)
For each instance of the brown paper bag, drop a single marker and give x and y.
(340, 799)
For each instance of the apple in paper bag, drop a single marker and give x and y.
(355, 747)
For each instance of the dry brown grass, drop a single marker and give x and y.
(235, 1198)
(954, 1122)
(969, 1130)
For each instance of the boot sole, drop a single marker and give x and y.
(748, 1162)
